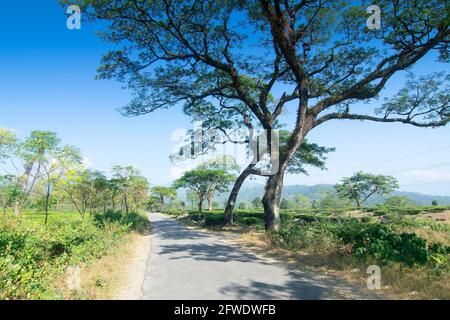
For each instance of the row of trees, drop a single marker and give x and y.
(42, 173)
(354, 190)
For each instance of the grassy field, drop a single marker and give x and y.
(410, 244)
(34, 257)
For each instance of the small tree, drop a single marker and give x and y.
(139, 190)
(399, 201)
(7, 142)
(331, 201)
(302, 202)
(163, 194)
(60, 160)
(361, 186)
(46, 163)
(192, 197)
(256, 203)
(6, 186)
(242, 206)
(285, 204)
(124, 178)
(79, 188)
(434, 203)
(204, 183)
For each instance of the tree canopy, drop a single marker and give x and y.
(204, 182)
(247, 61)
(361, 186)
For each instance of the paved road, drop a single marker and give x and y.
(195, 265)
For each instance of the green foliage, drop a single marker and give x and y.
(367, 238)
(286, 204)
(330, 201)
(242, 206)
(8, 140)
(399, 201)
(163, 194)
(257, 203)
(375, 241)
(32, 255)
(309, 154)
(361, 186)
(385, 210)
(204, 182)
(314, 238)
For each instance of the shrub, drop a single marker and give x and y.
(313, 237)
(367, 240)
(31, 254)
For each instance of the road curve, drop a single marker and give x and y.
(187, 264)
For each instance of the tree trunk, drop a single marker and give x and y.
(200, 205)
(210, 202)
(47, 198)
(271, 201)
(161, 205)
(234, 194)
(17, 208)
(125, 202)
(274, 186)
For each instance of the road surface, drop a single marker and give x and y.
(195, 265)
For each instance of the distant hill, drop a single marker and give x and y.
(251, 190)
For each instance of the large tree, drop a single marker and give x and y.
(316, 56)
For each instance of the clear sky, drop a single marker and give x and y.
(47, 83)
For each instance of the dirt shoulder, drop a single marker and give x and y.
(130, 287)
(117, 276)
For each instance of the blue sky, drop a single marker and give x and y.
(47, 83)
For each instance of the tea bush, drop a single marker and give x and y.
(368, 241)
(33, 255)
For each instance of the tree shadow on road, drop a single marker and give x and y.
(170, 230)
(208, 252)
(300, 287)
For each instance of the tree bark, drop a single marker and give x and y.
(234, 193)
(210, 203)
(271, 201)
(47, 198)
(274, 186)
(127, 208)
(200, 205)
(17, 208)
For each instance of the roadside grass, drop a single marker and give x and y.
(412, 249)
(34, 257)
(104, 278)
